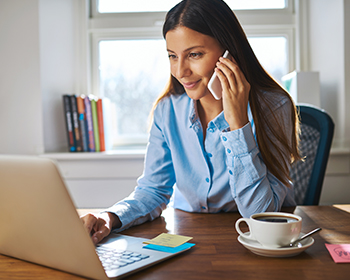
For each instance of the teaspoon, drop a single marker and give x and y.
(296, 242)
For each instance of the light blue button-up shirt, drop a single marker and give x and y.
(223, 172)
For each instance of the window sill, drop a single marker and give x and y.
(339, 150)
(127, 162)
(119, 153)
(140, 151)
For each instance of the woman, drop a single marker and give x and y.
(217, 155)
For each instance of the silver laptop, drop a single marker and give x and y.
(40, 224)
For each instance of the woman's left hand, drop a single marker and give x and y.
(235, 93)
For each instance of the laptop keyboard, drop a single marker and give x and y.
(113, 258)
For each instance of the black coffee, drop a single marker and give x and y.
(276, 219)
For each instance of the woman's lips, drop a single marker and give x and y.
(190, 85)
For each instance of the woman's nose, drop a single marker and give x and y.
(183, 69)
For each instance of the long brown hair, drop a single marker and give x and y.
(214, 18)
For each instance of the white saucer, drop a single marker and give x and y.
(258, 249)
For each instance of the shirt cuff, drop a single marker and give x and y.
(240, 141)
(122, 213)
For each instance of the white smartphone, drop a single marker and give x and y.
(214, 84)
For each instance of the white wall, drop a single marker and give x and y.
(58, 66)
(347, 68)
(38, 64)
(328, 55)
(20, 94)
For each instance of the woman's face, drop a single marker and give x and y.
(193, 57)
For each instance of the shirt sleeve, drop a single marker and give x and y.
(154, 187)
(253, 187)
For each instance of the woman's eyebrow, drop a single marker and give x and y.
(188, 49)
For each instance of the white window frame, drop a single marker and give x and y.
(114, 26)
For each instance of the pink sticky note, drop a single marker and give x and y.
(339, 252)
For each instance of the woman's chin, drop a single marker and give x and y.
(195, 94)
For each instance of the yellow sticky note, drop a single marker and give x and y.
(168, 240)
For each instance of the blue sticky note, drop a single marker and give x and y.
(177, 249)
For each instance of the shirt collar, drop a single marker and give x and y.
(219, 121)
(193, 115)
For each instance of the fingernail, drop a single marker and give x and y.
(94, 239)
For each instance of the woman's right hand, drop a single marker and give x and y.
(236, 90)
(100, 225)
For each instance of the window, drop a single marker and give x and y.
(132, 75)
(132, 6)
(272, 53)
(130, 65)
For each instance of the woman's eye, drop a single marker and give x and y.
(171, 56)
(195, 55)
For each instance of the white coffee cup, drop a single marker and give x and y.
(271, 229)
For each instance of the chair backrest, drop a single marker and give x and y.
(317, 129)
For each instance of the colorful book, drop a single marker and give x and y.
(69, 122)
(108, 122)
(76, 124)
(95, 123)
(90, 127)
(83, 123)
(101, 132)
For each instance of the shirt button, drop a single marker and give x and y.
(224, 138)
(207, 179)
(229, 151)
(210, 155)
(203, 207)
(211, 130)
(231, 173)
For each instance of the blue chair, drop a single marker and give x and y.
(317, 129)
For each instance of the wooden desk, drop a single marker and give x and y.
(218, 254)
